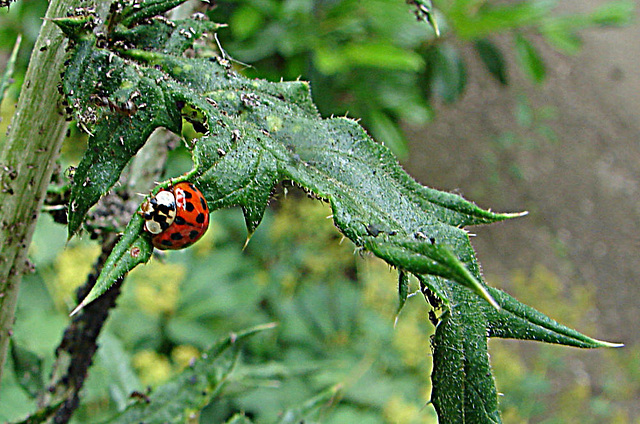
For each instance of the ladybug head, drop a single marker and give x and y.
(159, 212)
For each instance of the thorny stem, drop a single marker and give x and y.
(27, 160)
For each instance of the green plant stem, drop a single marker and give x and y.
(27, 159)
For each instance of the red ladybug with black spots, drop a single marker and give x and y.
(176, 217)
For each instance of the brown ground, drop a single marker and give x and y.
(582, 191)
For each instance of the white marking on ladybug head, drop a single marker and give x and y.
(166, 198)
(159, 212)
(153, 227)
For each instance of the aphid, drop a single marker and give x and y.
(176, 217)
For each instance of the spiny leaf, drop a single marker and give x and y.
(134, 12)
(129, 105)
(134, 248)
(255, 134)
(260, 133)
(403, 289)
(425, 258)
(518, 321)
(463, 387)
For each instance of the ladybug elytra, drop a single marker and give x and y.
(176, 217)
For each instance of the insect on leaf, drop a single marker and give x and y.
(248, 135)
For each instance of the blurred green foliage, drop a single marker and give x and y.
(373, 60)
(24, 18)
(544, 384)
(336, 313)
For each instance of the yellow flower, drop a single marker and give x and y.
(399, 411)
(183, 355)
(411, 339)
(71, 269)
(157, 286)
(153, 368)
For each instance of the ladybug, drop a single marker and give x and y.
(176, 217)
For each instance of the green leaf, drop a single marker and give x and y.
(301, 413)
(447, 75)
(529, 59)
(427, 258)
(133, 248)
(493, 59)
(239, 419)
(5, 80)
(128, 118)
(463, 387)
(246, 21)
(518, 321)
(403, 289)
(561, 37)
(382, 56)
(613, 13)
(472, 21)
(28, 370)
(191, 390)
(560, 31)
(374, 55)
(117, 361)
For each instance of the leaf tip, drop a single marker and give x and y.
(510, 215)
(73, 26)
(79, 307)
(246, 242)
(486, 296)
(602, 343)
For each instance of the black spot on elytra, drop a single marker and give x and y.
(200, 218)
(187, 194)
(189, 207)
(203, 202)
(176, 236)
(180, 220)
(193, 234)
(166, 243)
